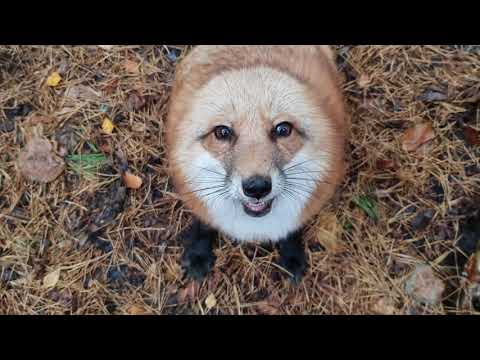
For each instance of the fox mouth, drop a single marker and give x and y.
(257, 208)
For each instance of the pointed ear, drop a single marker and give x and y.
(328, 52)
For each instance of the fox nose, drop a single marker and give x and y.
(257, 186)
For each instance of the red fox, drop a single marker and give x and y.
(256, 145)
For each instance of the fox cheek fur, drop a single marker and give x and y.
(256, 138)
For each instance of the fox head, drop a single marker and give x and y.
(255, 149)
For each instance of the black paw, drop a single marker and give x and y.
(295, 265)
(292, 256)
(198, 258)
(197, 265)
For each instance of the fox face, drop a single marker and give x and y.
(255, 150)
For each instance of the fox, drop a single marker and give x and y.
(255, 138)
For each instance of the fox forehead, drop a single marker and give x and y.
(250, 95)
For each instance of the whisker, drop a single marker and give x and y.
(304, 179)
(298, 164)
(192, 182)
(203, 189)
(210, 170)
(212, 193)
(305, 172)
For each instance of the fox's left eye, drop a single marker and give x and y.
(283, 130)
(223, 133)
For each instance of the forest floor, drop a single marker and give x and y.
(401, 237)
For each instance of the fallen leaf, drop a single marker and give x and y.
(327, 232)
(110, 87)
(473, 267)
(210, 301)
(40, 119)
(131, 67)
(471, 136)
(265, 308)
(135, 101)
(385, 164)
(63, 68)
(189, 292)
(51, 279)
(81, 92)
(433, 96)
(384, 306)
(107, 125)
(422, 220)
(424, 286)
(132, 181)
(137, 310)
(417, 136)
(139, 127)
(54, 79)
(363, 81)
(38, 162)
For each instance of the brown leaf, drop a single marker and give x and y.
(327, 232)
(131, 67)
(132, 181)
(385, 164)
(40, 119)
(363, 81)
(110, 87)
(135, 101)
(137, 310)
(471, 136)
(82, 92)
(424, 286)
(265, 308)
(417, 136)
(105, 145)
(473, 268)
(384, 306)
(38, 161)
(189, 292)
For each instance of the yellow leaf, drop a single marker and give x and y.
(107, 126)
(54, 79)
(51, 279)
(210, 301)
(132, 181)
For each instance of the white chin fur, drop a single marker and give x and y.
(228, 214)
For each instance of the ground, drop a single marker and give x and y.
(86, 243)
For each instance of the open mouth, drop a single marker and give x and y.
(258, 208)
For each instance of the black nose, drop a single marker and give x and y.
(257, 186)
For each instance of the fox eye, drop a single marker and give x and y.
(223, 133)
(283, 130)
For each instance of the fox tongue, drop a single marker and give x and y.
(257, 207)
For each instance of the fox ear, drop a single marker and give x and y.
(328, 52)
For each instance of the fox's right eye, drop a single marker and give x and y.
(223, 133)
